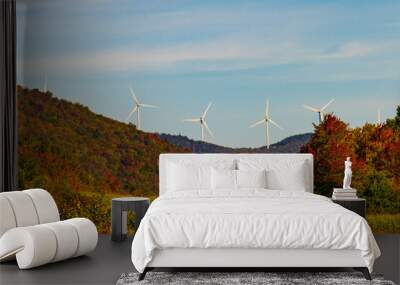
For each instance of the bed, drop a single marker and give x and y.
(246, 211)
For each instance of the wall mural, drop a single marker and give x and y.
(106, 86)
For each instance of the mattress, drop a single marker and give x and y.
(250, 219)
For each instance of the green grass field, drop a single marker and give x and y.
(384, 223)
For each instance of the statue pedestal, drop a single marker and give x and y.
(344, 194)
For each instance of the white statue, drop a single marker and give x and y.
(347, 174)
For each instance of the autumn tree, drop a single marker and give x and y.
(395, 122)
(330, 145)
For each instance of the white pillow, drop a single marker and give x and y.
(291, 178)
(223, 179)
(281, 174)
(251, 178)
(188, 177)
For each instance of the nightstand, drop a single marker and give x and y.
(119, 215)
(357, 205)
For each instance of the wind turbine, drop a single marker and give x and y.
(45, 84)
(202, 121)
(137, 108)
(319, 110)
(266, 120)
(378, 122)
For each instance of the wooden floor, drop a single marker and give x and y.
(110, 260)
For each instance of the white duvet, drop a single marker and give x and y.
(250, 219)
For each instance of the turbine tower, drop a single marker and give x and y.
(319, 110)
(45, 84)
(379, 117)
(202, 121)
(137, 108)
(266, 120)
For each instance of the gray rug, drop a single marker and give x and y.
(228, 278)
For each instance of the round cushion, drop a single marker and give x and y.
(45, 205)
(66, 238)
(23, 208)
(33, 246)
(7, 218)
(87, 234)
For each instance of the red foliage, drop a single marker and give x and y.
(371, 147)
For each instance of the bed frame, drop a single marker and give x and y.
(249, 259)
(242, 259)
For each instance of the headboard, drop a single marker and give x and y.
(165, 158)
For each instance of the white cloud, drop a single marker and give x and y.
(138, 59)
(356, 49)
(222, 54)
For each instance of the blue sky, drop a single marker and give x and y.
(181, 55)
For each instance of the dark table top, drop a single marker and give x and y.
(130, 199)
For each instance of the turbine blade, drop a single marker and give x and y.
(131, 113)
(133, 95)
(257, 123)
(275, 124)
(311, 108)
(208, 129)
(266, 108)
(148, 106)
(323, 108)
(191, 120)
(205, 112)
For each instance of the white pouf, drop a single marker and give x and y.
(31, 232)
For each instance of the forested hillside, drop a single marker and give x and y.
(290, 144)
(84, 158)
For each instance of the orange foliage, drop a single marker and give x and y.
(375, 152)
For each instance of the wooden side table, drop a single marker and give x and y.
(119, 215)
(357, 205)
